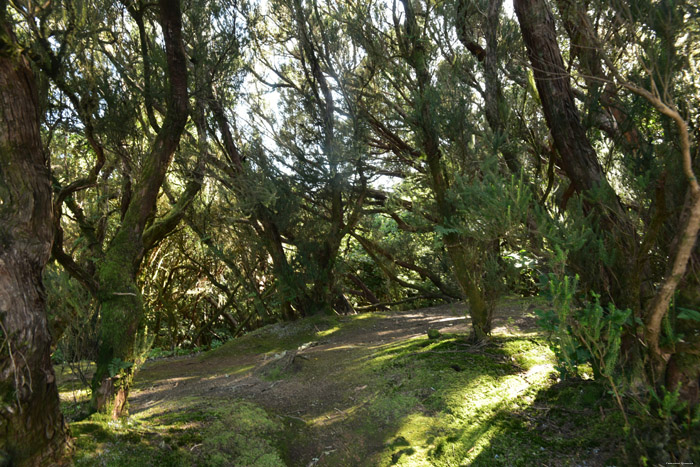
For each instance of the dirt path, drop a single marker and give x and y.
(313, 382)
(244, 375)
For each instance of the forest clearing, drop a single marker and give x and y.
(349, 232)
(368, 389)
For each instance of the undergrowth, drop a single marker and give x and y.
(192, 432)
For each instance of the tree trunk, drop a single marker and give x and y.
(118, 294)
(621, 281)
(480, 309)
(456, 244)
(32, 430)
(121, 309)
(669, 366)
(579, 159)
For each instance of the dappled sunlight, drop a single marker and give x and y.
(335, 415)
(448, 320)
(328, 332)
(169, 382)
(232, 371)
(510, 331)
(465, 408)
(74, 395)
(492, 397)
(341, 347)
(350, 397)
(539, 372)
(148, 395)
(166, 407)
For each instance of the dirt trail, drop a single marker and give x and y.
(222, 376)
(313, 383)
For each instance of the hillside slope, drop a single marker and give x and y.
(369, 389)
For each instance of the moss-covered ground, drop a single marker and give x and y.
(370, 389)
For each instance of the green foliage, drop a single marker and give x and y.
(157, 352)
(357, 125)
(687, 313)
(491, 210)
(118, 366)
(589, 334)
(667, 428)
(71, 313)
(492, 205)
(668, 403)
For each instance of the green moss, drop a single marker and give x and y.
(274, 374)
(242, 435)
(526, 353)
(278, 337)
(389, 407)
(186, 432)
(105, 443)
(459, 405)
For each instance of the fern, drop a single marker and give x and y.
(117, 365)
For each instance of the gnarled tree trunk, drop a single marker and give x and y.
(672, 366)
(118, 294)
(32, 430)
(621, 279)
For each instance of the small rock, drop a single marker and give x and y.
(433, 334)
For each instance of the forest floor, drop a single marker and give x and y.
(369, 389)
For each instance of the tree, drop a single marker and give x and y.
(425, 135)
(635, 87)
(309, 212)
(83, 72)
(32, 430)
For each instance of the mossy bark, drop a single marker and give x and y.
(119, 297)
(121, 310)
(480, 308)
(32, 430)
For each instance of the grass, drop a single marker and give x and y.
(278, 337)
(189, 433)
(74, 395)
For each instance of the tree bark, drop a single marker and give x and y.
(620, 281)
(579, 159)
(32, 430)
